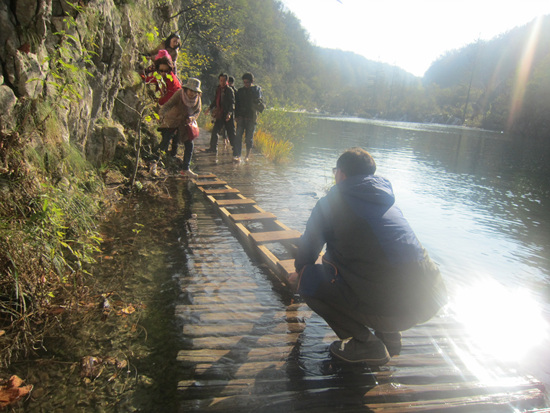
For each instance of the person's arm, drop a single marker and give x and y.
(172, 86)
(174, 100)
(230, 103)
(314, 238)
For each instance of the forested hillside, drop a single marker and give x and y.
(506, 81)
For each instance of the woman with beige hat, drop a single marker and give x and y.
(181, 112)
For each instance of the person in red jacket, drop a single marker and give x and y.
(167, 84)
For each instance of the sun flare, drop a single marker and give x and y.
(505, 323)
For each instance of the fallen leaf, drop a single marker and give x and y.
(128, 310)
(12, 390)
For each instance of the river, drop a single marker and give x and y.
(478, 202)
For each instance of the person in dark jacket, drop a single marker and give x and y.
(375, 274)
(248, 102)
(222, 109)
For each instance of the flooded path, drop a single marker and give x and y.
(251, 346)
(213, 330)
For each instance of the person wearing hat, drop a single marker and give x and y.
(181, 110)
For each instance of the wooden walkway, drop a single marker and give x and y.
(248, 352)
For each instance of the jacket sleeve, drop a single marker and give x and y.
(172, 86)
(229, 101)
(174, 100)
(315, 236)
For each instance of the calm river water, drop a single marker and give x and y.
(478, 202)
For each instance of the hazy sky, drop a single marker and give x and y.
(410, 34)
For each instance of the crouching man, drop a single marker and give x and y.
(375, 279)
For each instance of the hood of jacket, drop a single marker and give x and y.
(371, 198)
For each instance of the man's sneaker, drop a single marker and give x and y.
(189, 173)
(211, 150)
(392, 341)
(153, 169)
(373, 352)
(236, 159)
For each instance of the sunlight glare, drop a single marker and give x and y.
(505, 323)
(520, 85)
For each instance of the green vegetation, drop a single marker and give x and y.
(47, 236)
(277, 129)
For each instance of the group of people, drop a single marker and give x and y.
(230, 105)
(180, 106)
(375, 279)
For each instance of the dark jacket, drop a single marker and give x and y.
(226, 102)
(248, 101)
(373, 248)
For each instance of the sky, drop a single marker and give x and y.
(410, 34)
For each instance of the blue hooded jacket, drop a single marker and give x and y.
(372, 246)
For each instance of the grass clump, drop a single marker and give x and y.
(47, 237)
(277, 130)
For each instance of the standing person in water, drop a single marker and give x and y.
(230, 83)
(248, 102)
(167, 85)
(182, 109)
(222, 107)
(375, 275)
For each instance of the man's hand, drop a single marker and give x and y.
(293, 280)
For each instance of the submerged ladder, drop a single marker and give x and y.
(258, 229)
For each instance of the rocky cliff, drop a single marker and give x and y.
(67, 63)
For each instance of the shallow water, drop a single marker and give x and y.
(477, 202)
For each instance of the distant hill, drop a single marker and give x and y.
(356, 69)
(493, 61)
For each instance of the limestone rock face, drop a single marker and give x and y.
(7, 103)
(76, 68)
(101, 148)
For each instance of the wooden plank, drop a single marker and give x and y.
(287, 266)
(530, 398)
(219, 343)
(219, 191)
(238, 201)
(244, 328)
(273, 236)
(253, 216)
(249, 316)
(204, 176)
(217, 182)
(207, 355)
(269, 258)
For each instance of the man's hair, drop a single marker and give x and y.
(248, 76)
(231, 79)
(164, 61)
(223, 75)
(356, 161)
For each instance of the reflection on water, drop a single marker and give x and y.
(505, 323)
